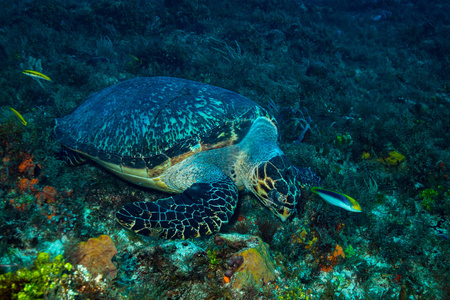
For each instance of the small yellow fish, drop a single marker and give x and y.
(19, 116)
(36, 74)
(134, 57)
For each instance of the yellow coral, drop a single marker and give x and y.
(42, 280)
(394, 158)
(301, 239)
(365, 155)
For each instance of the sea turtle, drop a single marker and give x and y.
(196, 141)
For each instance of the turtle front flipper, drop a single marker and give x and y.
(200, 210)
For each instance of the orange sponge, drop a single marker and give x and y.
(96, 255)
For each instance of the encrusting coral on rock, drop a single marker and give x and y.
(253, 263)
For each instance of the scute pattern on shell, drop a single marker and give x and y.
(144, 121)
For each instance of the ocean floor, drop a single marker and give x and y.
(370, 78)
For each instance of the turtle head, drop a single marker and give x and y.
(278, 183)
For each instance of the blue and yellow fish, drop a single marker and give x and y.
(338, 199)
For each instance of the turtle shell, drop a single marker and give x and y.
(155, 122)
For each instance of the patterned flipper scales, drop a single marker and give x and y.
(198, 211)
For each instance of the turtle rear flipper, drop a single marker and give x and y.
(70, 156)
(198, 211)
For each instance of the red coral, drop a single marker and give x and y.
(333, 259)
(47, 195)
(19, 206)
(27, 166)
(27, 186)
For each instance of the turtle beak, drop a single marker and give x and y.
(284, 213)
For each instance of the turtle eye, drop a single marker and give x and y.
(278, 199)
(282, 187)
